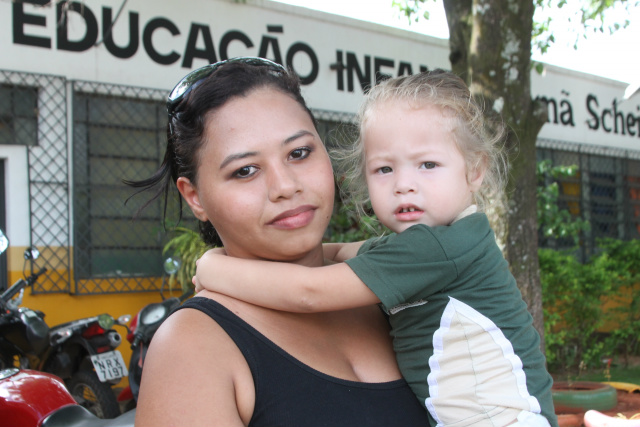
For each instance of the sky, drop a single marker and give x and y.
(614, 56)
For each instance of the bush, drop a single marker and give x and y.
(574, 298)
(624, 301)
(187, 246)
(571, 293)
(575, 294)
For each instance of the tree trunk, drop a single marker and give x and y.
(490, 43)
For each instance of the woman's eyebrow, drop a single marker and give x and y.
(237, 156)
(296, 135)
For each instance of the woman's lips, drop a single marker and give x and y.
(294, 218)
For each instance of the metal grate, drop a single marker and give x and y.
(35, 115)
(118, 134)
(605, 193)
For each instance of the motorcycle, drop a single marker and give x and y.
(81, 352)
(37, 399)
(141, 330)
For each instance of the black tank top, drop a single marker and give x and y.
(290, 393)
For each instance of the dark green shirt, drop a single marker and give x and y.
(463, 336)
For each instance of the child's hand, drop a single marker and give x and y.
(206, 266)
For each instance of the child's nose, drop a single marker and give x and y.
(405, 183)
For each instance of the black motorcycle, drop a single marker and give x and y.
(81, 352)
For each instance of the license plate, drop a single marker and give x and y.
(109, 365)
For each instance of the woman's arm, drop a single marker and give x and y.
(283, 286)
(194, 375)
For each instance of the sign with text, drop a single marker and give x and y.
(153, 44)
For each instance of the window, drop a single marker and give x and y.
(115, 139)
(605, 192)
(633, 190)
(18, 115)
(605, 209)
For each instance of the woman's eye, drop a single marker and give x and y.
(245, 172)
(385, 169)
(300, 153)
(428, 165)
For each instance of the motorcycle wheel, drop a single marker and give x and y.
(96, 396)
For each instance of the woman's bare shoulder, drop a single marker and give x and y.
(193, 374)
(184, 323)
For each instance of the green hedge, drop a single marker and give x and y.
(574, 297)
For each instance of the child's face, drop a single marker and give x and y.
(414, 170)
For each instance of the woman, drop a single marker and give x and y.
(245, 155)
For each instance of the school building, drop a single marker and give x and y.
(82, 107)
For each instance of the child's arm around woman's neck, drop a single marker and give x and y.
(284, 286)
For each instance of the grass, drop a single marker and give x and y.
(618, 373)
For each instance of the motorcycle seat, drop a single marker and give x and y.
(79, 416)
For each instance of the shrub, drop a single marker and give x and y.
(187, 246)
(572, 304)
(580, 298)
(624, 300)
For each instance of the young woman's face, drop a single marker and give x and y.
(264, 179)
(414, 170)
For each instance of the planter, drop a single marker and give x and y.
(580, 396)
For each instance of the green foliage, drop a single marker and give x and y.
(571, 300)
(570, 290)
(574, 294)
(410, 9)
(583, 18)
(188, 247)
(624, 258)
(553, 221)
(345, 226)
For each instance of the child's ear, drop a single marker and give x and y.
(476, 176)
(191, 196)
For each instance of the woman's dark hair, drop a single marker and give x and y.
(187, 121)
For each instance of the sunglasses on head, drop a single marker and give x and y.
(191, 80)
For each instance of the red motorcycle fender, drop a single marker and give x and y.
(27, 396)
(125, 394)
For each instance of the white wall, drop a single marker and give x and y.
(17, 194)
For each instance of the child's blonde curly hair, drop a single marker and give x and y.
(480, 141)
